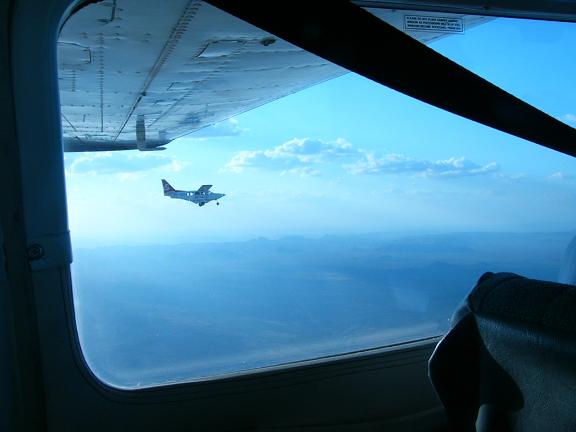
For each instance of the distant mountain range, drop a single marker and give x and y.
(155, 314)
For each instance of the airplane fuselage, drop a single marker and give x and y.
(200, 196)
(196, 197)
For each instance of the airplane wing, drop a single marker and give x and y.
(204, 188)
(135, 74)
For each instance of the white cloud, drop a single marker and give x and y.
(560, 176)
(296, 153)
(176, 165)
(305, 156)
(570, 118)
(398, 163)
(302, 172)
(225, 128)
(124, 163)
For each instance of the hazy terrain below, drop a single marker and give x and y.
(153, 314)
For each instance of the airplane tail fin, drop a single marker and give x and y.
(167, 187)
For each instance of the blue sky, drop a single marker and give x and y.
(351, 156)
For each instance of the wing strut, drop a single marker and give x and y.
(351, 37)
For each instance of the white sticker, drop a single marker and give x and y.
(437, 24)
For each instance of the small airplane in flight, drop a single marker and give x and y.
(200, 196)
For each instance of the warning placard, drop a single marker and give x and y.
(431, 23)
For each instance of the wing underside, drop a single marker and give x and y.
(136, 74)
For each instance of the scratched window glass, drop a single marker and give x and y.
(237, 203)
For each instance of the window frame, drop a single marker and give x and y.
(376, 386)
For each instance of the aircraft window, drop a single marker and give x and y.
(487, 51)
(300, 221)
